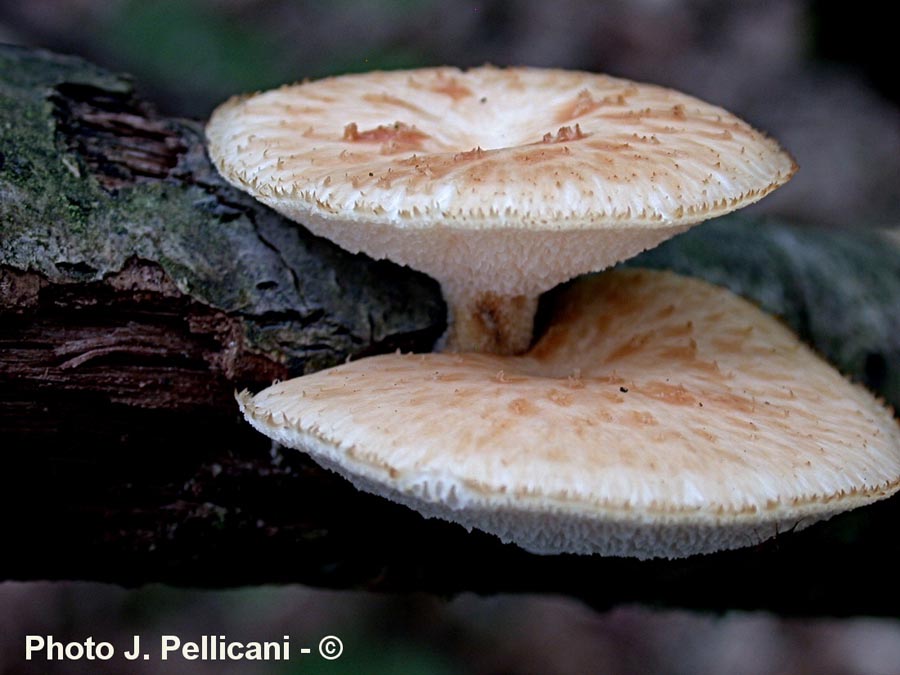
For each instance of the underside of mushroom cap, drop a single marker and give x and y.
(659, 416)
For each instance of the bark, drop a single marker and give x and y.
(138, 291)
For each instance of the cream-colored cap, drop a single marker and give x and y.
(494, 181)
(659, 416)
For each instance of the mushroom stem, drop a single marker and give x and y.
(487, 322)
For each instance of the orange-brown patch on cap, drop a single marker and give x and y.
(397, 137)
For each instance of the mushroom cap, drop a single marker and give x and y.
(523, 177)
(659, 416)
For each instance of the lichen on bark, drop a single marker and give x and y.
(82, 194)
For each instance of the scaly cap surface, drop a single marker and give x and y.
(659, 416)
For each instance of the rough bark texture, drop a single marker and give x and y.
(137, 291)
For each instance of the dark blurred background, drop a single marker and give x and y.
(819, 76)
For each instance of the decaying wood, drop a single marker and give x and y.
(137, 291)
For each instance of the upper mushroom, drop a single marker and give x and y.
(500, 183)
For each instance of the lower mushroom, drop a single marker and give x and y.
(659, 416)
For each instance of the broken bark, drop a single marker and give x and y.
(138, 290)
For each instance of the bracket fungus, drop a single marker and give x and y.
(499, 183)
(658, 416)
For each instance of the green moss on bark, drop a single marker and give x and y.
(303, 301)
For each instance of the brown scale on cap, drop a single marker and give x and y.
(474, 153)
(397, 137)
(584, 103)
(452, 88)
(382, 100)
(564, 134)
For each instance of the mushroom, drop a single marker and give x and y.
(658, 416)
(499, 183)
